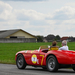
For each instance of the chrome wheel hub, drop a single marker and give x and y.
(51, 64)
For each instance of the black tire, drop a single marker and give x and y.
(52, 63)
(73, 68)
(20, 62)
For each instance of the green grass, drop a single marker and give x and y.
(8, 50)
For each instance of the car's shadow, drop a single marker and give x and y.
(45, 70)
(65, 71)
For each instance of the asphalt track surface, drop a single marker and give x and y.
(6, 69)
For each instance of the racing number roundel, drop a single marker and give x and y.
(34, 59)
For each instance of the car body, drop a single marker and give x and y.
(51, 60)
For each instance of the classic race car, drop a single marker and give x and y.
(45, 58)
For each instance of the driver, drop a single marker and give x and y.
(64, 45)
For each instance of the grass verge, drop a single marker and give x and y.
(8, 50)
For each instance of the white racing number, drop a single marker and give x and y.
(34, 59)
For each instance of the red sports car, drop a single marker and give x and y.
(45, 58)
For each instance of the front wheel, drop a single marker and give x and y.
(20, 61)
(52, 63)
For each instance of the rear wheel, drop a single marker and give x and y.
(20, 61)
(52, 63)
